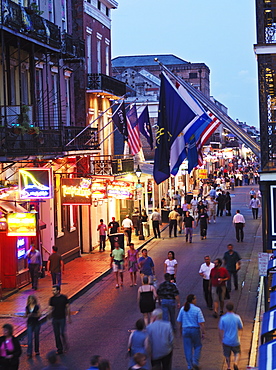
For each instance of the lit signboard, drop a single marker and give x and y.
(76, 191)
(21, 224)
(35, 183)
(202, 174)
(120, 190)
(21, 247)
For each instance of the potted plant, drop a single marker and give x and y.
(33, 9)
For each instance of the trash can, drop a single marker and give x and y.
(118, 237)
(165, 215)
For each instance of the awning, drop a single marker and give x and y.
(269, 322)
(272, 303)
(267, 356)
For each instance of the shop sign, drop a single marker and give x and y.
(76, 191)
(21, 224)
(202, 174)
(98, 190)
(35, 183)
(120, 190)
(21, 247)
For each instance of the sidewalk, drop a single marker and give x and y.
(80, 274)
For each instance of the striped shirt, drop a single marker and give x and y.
(191, 318)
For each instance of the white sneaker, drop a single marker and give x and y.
(214, 221)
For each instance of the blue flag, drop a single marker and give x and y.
(192, 154)
(119, 119)
(174, 115)
(145, 127)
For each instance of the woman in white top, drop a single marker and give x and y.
(170, 265)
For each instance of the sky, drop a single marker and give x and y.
(219, 33)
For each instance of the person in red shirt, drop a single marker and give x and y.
(218, 277)
(102, 230)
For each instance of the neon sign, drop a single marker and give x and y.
(21, 248)
(21, 224)
(76, 191)
(120, 190)
(35, 183)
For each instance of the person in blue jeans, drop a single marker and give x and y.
(32, 312)
(192, 324)
(168, 294)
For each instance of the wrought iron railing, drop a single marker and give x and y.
(112, 165)
(100, 81)
(67, 44)
(27, 21)
(14, 144)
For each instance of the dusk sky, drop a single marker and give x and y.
(218, 33)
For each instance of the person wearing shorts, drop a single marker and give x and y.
(229, 326)
(218, 277)
(117, 263)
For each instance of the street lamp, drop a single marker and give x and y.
(139, 186)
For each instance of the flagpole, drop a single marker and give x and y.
(230, 124)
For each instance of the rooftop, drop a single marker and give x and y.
(146, 60)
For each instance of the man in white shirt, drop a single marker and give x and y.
(128, 226)
(255, 204)
(239, 223)
(194, 204)
(204, 271)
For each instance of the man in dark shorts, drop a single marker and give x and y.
(59, 308)
(229, 326)
(55, 265)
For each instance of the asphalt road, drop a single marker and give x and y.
(104, 315)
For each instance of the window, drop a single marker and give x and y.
(99, 5)
(89, 52)
(39, 95)
(107, 11)
(12, 95)
(54, 101)
(107, 60)
(193, 75)
(98, 56)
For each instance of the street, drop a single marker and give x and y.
(103, 316)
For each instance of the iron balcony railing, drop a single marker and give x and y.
(50, 142)
(111, 165)
(28, 22)
(100, 81)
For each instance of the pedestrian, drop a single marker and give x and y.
(170, 266)
(132, 263)
(102, 233)
(113, 226)
(173, 222)
(156, 221)
(10, 349)
(146, 266)
(204, 272)
(144, 221)
(228, 203)
(59, 309)
(218, 277)
(94, 362)
(203, 220)
(189, 223)
(32, 313)
(192, 325)
(239, 223)
(221, 203)
(138, 342)
(229, 326)
(53, 362)
(232, 262)
(146, 298)
(176, 199)
(104, 364)
(179, 210)
(161, 341)
(255, 204)
(127, 226)
(135, 218)
(55, 265)
(140, 360)
(212, 209)
(252, 193)
(34, 264)
(168, 294)
(194, 204)
(117, 262)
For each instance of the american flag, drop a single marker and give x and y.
(214, 124)
(133, 131)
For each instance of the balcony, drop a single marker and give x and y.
(112, 165)
(27, 22)
(47, 142)
(100, 81)
(67, 45)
